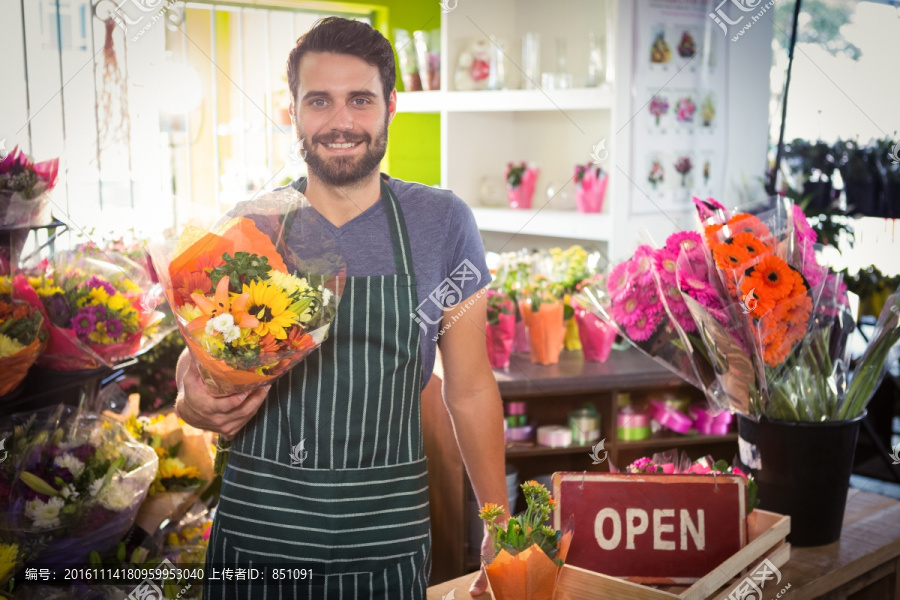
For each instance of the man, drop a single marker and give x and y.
(327, 468)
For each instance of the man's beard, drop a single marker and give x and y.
(342, 171)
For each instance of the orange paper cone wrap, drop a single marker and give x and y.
(546, 330)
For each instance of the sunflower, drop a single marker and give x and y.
(771, 278)
(269, 304)
(729, 256)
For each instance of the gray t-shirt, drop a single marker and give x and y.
(447, 252)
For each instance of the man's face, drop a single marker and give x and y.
(341, 115)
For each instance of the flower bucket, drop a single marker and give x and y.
(572, 340)
(500, 341)
(802, 470)
(520, 196)
(546, 330)
(596, 336)
(590, 193)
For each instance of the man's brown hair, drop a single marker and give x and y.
(345, 36)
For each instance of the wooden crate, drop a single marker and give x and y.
(766, 534)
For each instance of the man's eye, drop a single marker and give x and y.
(360, 101)
(318, 102)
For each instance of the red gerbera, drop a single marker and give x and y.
(195, 282)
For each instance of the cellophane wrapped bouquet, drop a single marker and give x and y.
(99, 308)
(254, 293)
(23, 337)
(513, 275)
(25, 188)
(73, 482)
(753, 318)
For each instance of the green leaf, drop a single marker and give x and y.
(120, 552)
(94, 559)
(37, 484)
(300, 305)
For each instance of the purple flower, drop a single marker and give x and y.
(85, 321)
(58, 310)
(83, 452)
(95, 282)
(114, 327)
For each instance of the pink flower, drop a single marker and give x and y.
(805, 233)
(618, 279)
(683, 240)
(626, 309)
(666, 260)
(643, 327)
(641, 267)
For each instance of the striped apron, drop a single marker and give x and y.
(330, 474)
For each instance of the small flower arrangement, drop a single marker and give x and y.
(498, 304)
(643, 465)
(520, 181)
(657, 174)
(22, 339)
(77, 483)
(527, 552)
(685, 109)
(683, 166)
(659, 106)
(24, 190)
(686, 46)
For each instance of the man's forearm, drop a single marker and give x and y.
(478, 423)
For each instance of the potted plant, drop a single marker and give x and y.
(859, 185)
(528, 554)
(590, 188)
(501, 328)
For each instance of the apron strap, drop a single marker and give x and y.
(396, 225)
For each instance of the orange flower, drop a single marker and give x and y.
(298, 339)
(711, 234)
(744, 223)
(220, 305)
(268, 344)
(769, 278)
(748, 242)
(729, 256)
(195, 282)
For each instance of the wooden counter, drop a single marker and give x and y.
(863, 565)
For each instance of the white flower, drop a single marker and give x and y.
(68, 492)
(222, 323)
(231, 334)
(44, 514)
(94, 490)
(326, 296)
(118, 494)
(67, 461)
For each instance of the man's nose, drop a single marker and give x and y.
(342, 119)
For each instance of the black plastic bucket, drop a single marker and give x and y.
(802, 470)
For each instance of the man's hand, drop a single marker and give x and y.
(479, 586)
(226, 415)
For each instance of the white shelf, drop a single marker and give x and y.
(600, 98)
(549, 223)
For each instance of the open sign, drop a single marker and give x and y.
(652, 527)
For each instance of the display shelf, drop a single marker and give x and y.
(667, 440)
(595, 227)
(599, 98)
(538, 450)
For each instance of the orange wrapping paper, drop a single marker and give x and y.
(13, 369)
(529, 575)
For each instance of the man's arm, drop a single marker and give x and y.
(473, 400)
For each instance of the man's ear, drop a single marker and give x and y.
(392, 105)
(291, 110)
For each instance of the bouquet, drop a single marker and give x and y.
(24, 190)
(98, 309)
(683, 166)
(659, 106)
(590, 188)
(685, 109)
(657, 174)
(22, 339)
(186, 456)
(247, 317)
(527, 553)
(75, 483)
(707, 111)
(565, 270)
(501, 328)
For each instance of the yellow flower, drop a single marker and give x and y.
(269, 304)
(5, 285)
(8, 555)
(289, 283)
(9, 346)
(44, 287)
(189, 312)
(118, 302)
